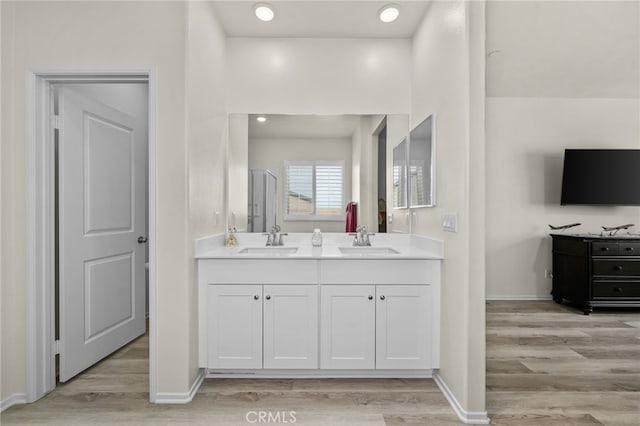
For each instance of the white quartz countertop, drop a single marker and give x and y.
(298, 246)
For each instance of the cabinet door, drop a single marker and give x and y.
(290, 326)
(403, 327)
(347, 329)
(234, 324)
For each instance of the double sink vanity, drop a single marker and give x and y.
(333, 311)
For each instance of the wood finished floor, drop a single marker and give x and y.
(547, 364)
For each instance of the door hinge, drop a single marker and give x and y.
(56, 347)
(55, 121)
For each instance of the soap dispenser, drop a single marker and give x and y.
(316, 238)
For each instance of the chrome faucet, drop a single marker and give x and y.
(361, 237)
(274, 238)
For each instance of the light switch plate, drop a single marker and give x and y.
(450, 222)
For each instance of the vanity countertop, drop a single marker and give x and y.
(383, 247)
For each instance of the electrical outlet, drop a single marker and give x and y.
(548, 273)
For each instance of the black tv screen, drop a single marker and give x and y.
(601, 176)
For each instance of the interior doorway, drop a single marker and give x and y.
(100, 143)
(90, 169)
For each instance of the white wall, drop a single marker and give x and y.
(526, 138)
(271, 154)
(206, 112)
(319, 76)
(442, 84)
(190, 158)
(589, 98)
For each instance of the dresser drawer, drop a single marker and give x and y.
(616, 289)
(616, 267)
(629, 248)
(604, 248)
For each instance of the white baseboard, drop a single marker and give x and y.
(520, 297)
(319, 374)
(16, 398)
(181, 398)
(467, 417)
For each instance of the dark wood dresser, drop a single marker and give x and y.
(596, 271)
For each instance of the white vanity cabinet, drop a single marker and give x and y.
(234, 325)
(324, 317)
(383, 327)
(347, 315)
(254, 326)
(403, 327)
(257, 314)
(290, 326)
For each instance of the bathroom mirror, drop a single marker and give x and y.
(400, 175)
(320, 163)
(421, 164)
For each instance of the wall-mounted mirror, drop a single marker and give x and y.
(400, 175)
(421, 164)
(320, 163)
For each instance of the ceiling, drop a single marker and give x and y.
(320, 19)
(283, 126)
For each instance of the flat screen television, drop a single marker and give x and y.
(601, 177)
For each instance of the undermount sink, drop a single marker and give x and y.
(368, 250)
(269, 251)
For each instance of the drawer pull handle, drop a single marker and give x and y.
(605, 249)
(617, 289)
(629, 248)
(618, 267)
(256, 297)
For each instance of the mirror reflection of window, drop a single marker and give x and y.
(314, 189)
(400, 175)
(421, 164)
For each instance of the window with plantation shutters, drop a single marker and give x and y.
(314, 190)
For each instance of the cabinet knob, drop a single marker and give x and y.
(605, 249)
(382, 297)
(629, 248)
(268, 297)
(617, 289)
(256, 297)
(370, 297)
(618, 267)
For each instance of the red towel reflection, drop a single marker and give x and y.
(352, 217)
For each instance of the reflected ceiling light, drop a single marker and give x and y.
(389, 13)
(264, 12)
(261, 118)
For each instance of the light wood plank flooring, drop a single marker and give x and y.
(547, 364)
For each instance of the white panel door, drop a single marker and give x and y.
(234, 326)
(102, 212)
(347, 329)
(403, 327)
(290, 326)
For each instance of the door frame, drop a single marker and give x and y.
(39, 218)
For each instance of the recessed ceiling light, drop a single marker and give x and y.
(264, 12)
(261, 118)
(389, 13)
